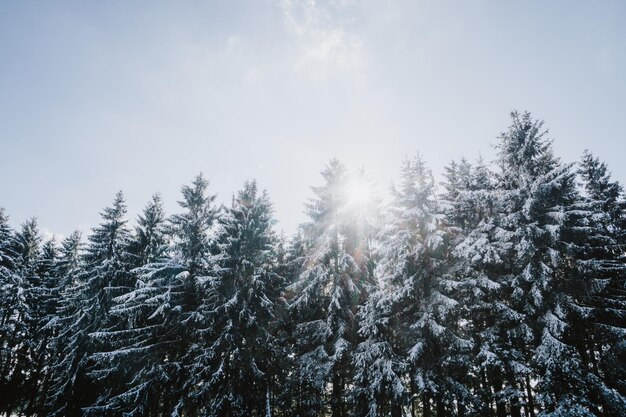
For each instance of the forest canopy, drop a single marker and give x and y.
(499, 291)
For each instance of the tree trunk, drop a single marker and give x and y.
(335, 402)
(530, 400)
(485, 390)
(441, 407)
(500, 402)
(516, 407)
(396, 409)
(413, 410)
(461, 409)
(426, 405)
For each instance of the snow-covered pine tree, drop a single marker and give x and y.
(599, 244)
(146, 246)
(467, 199)
(539, 197)
(149, 242)
(413, 269)
(68, 267)
(7, 282)
(30, 295)
(378, 359)
(161, 316)
(27, 309)
(234, 371)
(7, 244)
(44, 299)
(85, 313)
(290, 264)
(481, 258)
(8, 293)
(28, 241)
(14, 318)
(69, 261)
(327, 294)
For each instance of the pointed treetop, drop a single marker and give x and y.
(597, 179)
(153, 212)
(417, 182)
(149, 241)
(69, 260)
(48, 257)
(482, 177)
(524, 150)
(331, 196)
(109, 239)
(117, 210)
(29, 240)
(248, 193)
(7, 249)
(192, 228)
(194, 195)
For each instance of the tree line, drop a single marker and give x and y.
(499, 292)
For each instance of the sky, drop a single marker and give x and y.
(98, 96)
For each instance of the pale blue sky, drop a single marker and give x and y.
(97, 96)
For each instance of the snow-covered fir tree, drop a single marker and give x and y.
(146, 246)
(149, 242)
(379, 358)
(8, 294)
(67, 269)
(15, 315)
(161, 314)
(334, 283)
(539, 197)
(44, 297)
(28, 310)
(85, 312)
(414, 252)
(598, 246)
(481, 258)
(379, 361)
(235, 368)
(69, 261)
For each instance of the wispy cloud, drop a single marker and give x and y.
(324, 43)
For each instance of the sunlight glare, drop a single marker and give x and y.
(358, 193)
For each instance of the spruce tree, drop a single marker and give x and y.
(481, 259)
(27, 309)
(335, 281)
(146, 246)
(540, 197)
(419, 291)
(234, 371)
(599, 250)
(85, 313)
(68, 267)
(160, 314)
(290, 265)
(379, 362)
(44, 298)
(69, 261)
(149, 242)
(12, 321)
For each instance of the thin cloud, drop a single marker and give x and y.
(324, 45)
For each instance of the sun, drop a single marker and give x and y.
(359, 193)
